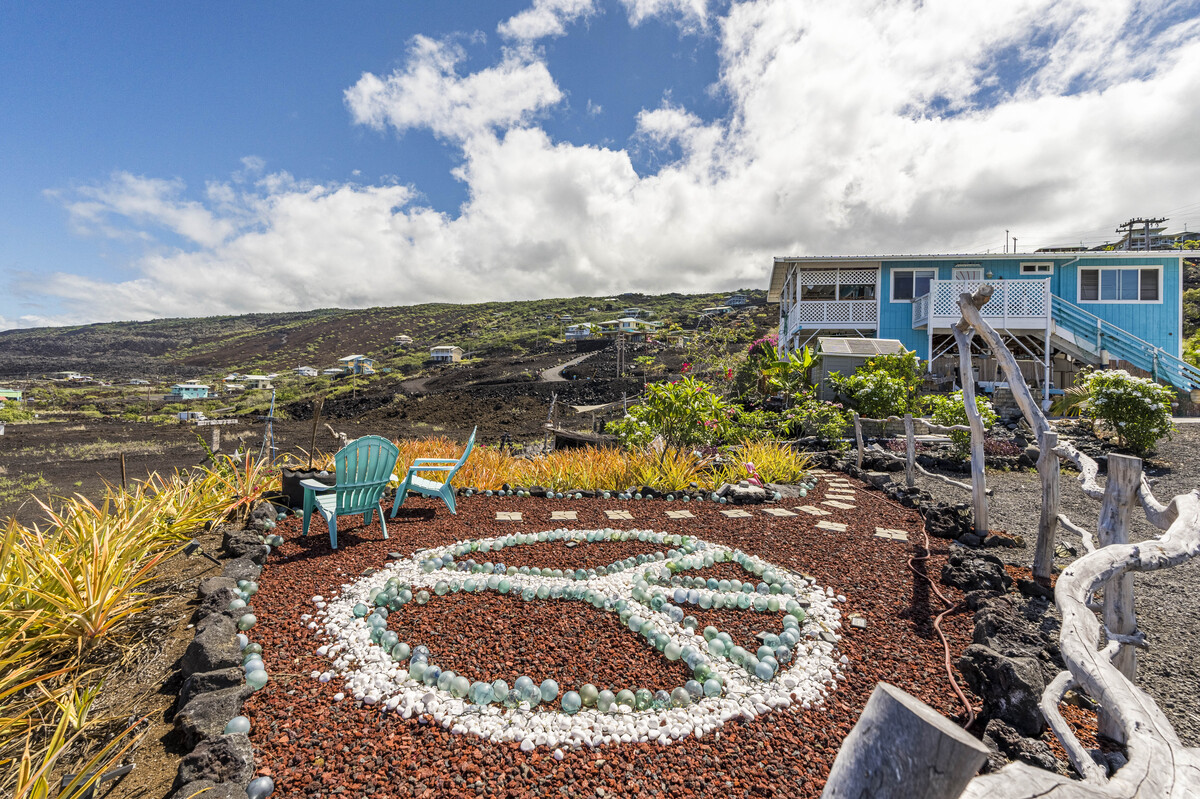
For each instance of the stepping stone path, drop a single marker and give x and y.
(736, 513)
(812, 511)
(564, 515)
(508, 516)
(895, 535)
(778, 512)
(680, 514)
(619, 514)
(836, 527)
(833, 503)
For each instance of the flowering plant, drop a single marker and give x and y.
(949, 410)
(1137, 408)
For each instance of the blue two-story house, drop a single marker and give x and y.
(1087, 307)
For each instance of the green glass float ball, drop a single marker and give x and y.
(773, 604)
(459, 686)
(256, 679)
(661, 640)
(416, 670)
(744, 601)
(237, 724)
(422, 597)
(504, 587)
(712, 687)
(529, 693)
(717, 647)
(500, 690)
(431, 676)
(710, 632)
(480, 693)
(605, 701)
(695, 690)
(764, 651)
(549, 689)
(247, 621)
(543, 591)
(252, 649)
(763, 671)
(702, 672)
(672, 651)
(445, 679)
(571, 702)
(251, 656)
(626, 697)
(588, 694)
(642, 698)
(690, 622)
(441, 588)
(360, 610)
(400, 652)
(680, 697)
(236, 604)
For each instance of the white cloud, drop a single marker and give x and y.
(594, 109)
(853, 127)
(690, 14)
(430, 93)
(545, 18)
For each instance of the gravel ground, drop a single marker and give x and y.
(1169, 671)
(312, 745)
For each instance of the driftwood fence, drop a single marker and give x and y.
(902, 748)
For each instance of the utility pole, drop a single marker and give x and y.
(1006, 240)
(1127, 229)
(1014, 243)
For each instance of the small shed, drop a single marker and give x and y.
(845, 355)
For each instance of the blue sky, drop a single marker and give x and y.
(172, 159)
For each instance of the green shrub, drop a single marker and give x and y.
(11, 413)
(1136, 408)
(949, 410)
(685, 413)
(826, 421)
(883, 386)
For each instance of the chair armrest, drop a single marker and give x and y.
(316, 485)
(416, 467)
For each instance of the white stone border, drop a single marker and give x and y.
(372, 676)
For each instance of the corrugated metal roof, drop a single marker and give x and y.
(859, 347)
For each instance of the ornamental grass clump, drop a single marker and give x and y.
(1137, 409)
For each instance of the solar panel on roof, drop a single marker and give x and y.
(862, 347)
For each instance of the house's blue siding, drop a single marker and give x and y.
(1157, 323)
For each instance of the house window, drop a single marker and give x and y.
(818, 292)
(856, 291)
(1037, 269)
(1115, 284)
(907, 284)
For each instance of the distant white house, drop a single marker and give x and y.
(737, 300)
(357, 365)
(565, 318)
(577, 332)
(137, 381)
(403, 341)
(233, 388)
(231, 378)
(334, 372)
(446, 353)
(717, 310)
(635, 312)
(258, 382)
(306, 371)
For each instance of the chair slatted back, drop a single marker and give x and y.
(364, 467)
(465, 455)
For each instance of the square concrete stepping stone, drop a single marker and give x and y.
(778, 512)
(839, 497)
(836, 527)
(811, 510)
(619, 514)
(895, 535)
(508, 516)
(736, 513)
(680, 514)
(833, 503)
(564, 515)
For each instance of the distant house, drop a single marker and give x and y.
(635, 312)
(577, 332)
(403, 341)
(334, 372)
(635, 329)
(187, 391)
(258, 382)
(231, 378)
(446, 353)
(305, 371)
(65, 376)
(357, 365)
(9, 395)
(737, 300)
(566, 318)
(717, 310)
(233, 388)
(137, 381)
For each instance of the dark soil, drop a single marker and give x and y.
(1169, 672)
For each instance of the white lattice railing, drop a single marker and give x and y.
(833, 313)
(920, 311)
(1014, 303)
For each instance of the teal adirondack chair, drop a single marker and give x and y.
(432, 488)
(364, 468)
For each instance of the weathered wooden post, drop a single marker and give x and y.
(216, 438)
(1048, 470)
(963, 334)
(910, 452)
(858, 440)
(903, 748)
(1120, 495)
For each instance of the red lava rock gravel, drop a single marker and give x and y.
(312, 746)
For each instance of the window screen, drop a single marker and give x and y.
(1118, 285)
(1149, 288)
(910, 283)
